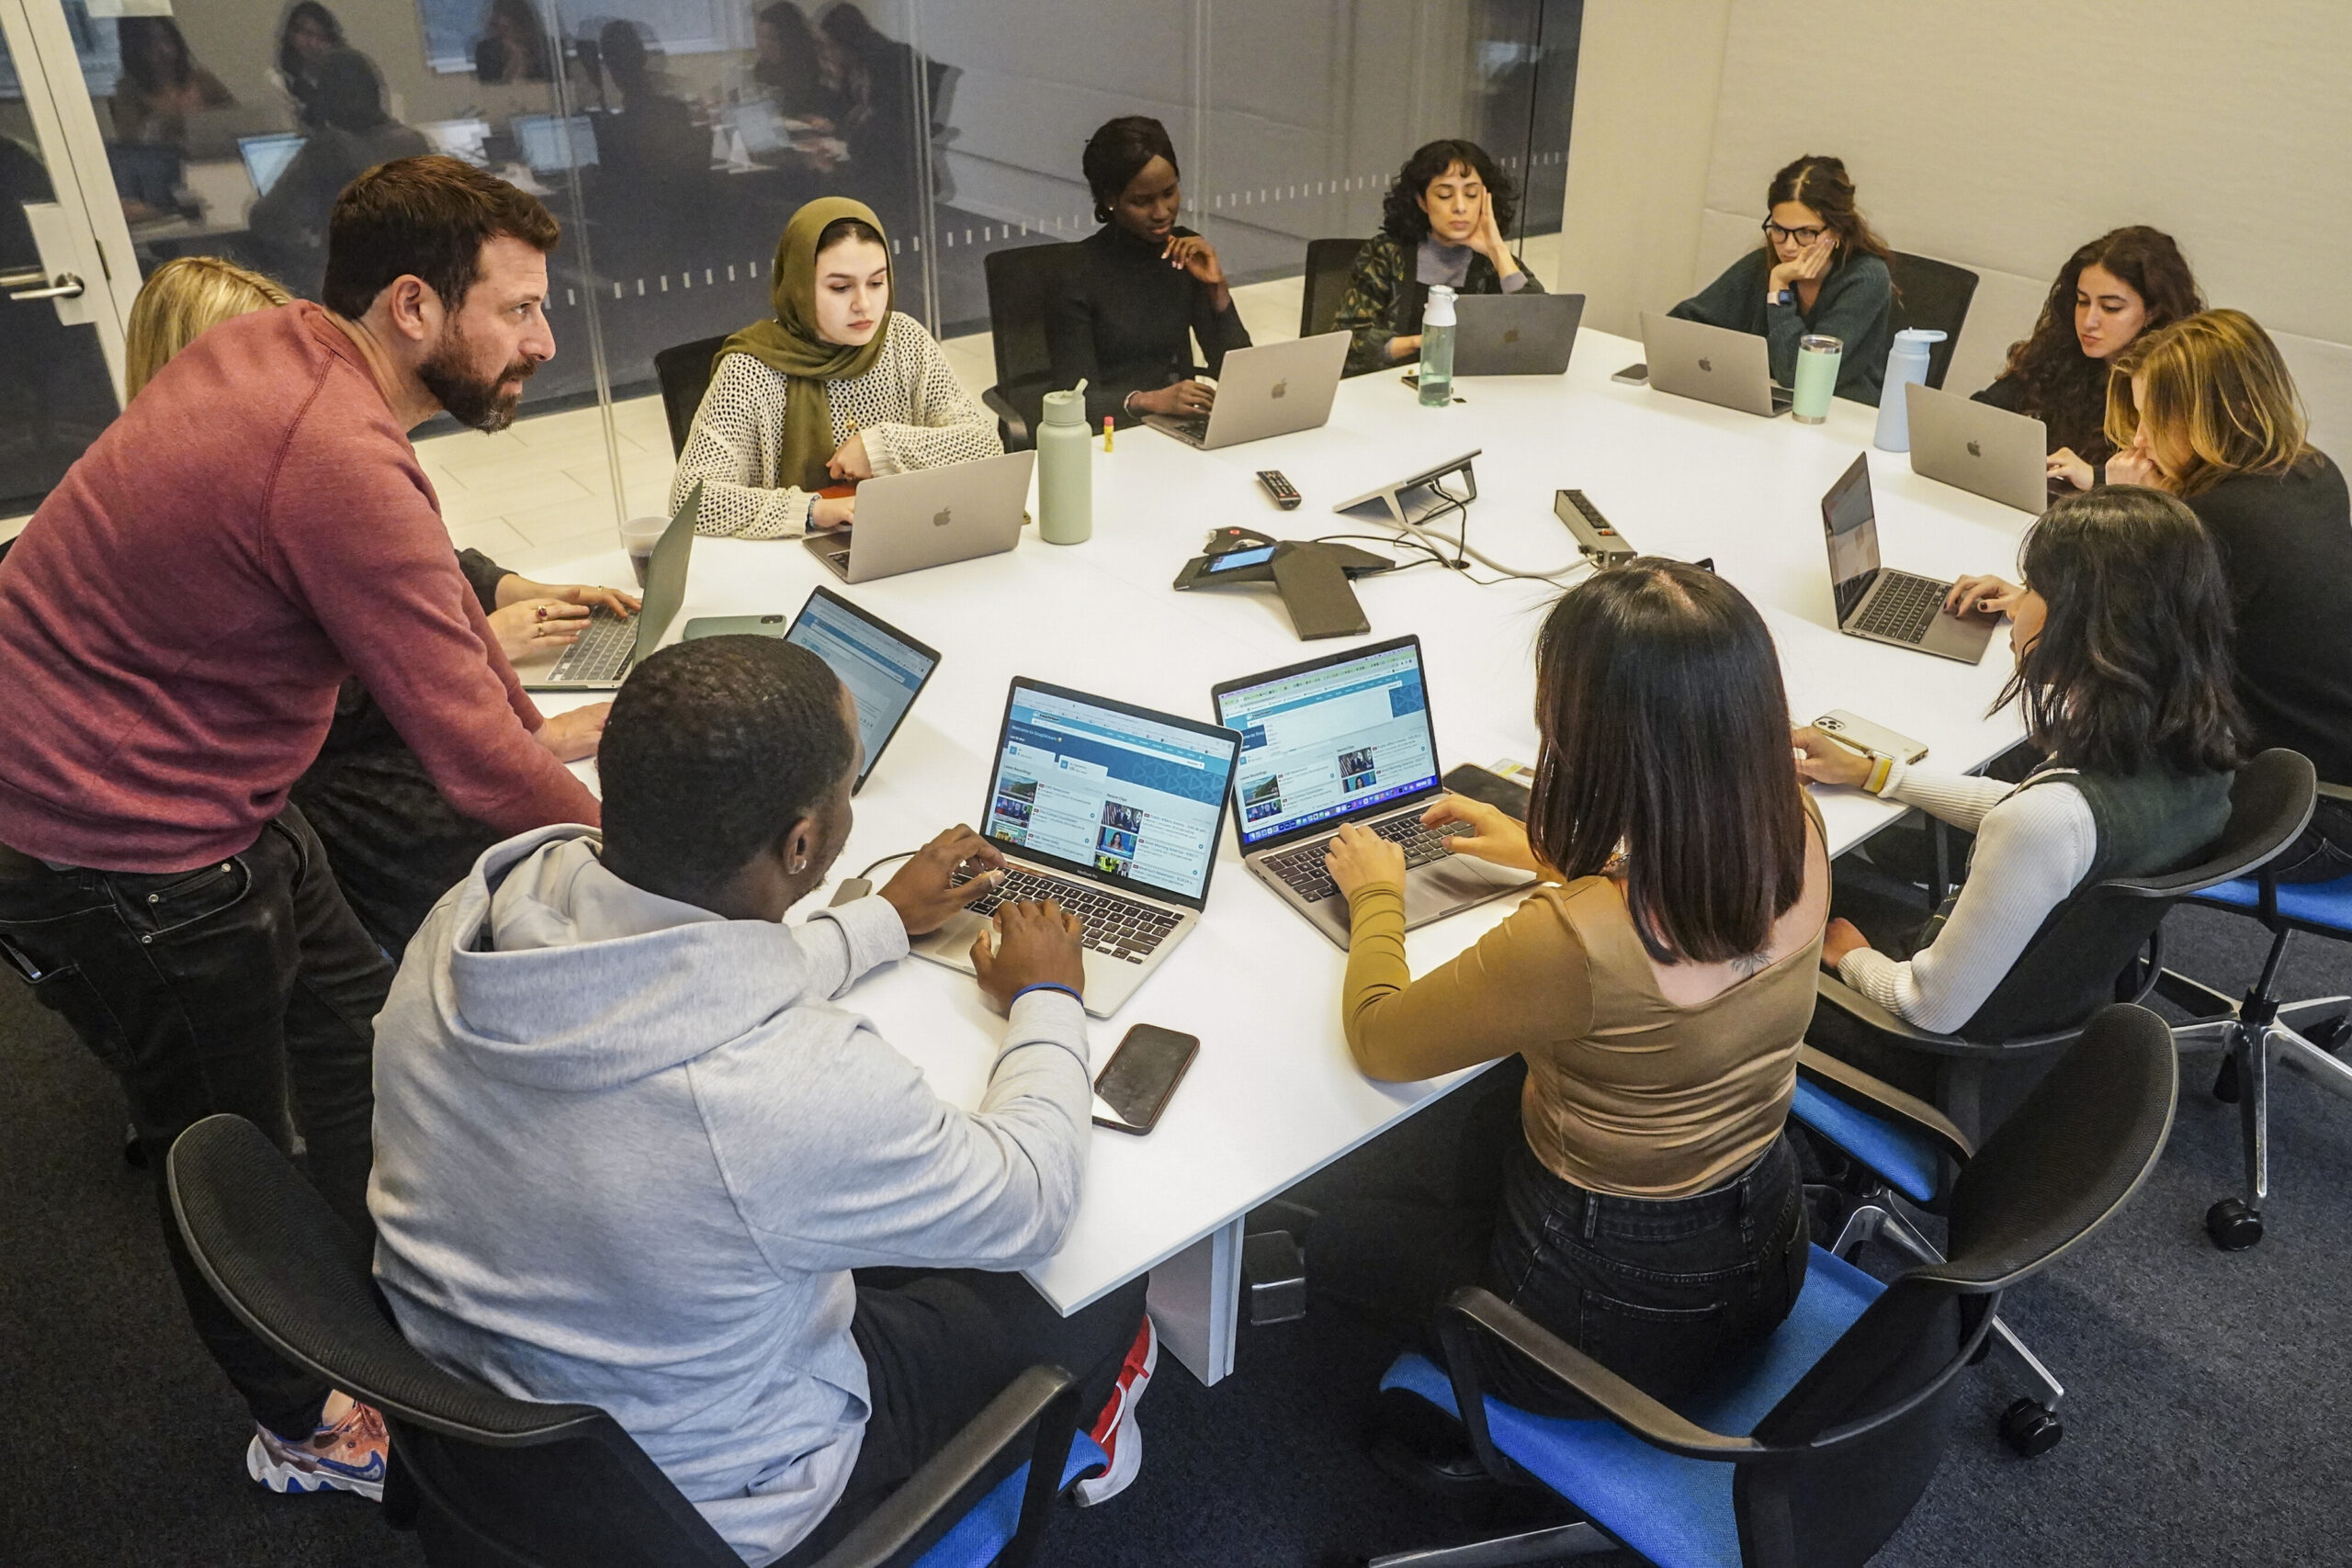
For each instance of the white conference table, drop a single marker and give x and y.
(1273, 1095)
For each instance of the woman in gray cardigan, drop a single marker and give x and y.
(1820, 269)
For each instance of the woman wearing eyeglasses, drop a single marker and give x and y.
(1821, 270)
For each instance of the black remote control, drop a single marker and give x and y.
(1285, 494)
(1594, 537)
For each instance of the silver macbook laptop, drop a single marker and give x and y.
(1346, 738)
(1515, 334)
(1714, 365)
(1882, 605)
(930, 517)
(1271, 390)
(600, 661)
(1114, 811)
(1992, 452)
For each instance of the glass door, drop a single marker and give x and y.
(66, 280)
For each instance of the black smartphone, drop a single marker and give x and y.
(1633, 374)
(1141, 1075)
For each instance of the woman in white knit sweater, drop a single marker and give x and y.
(2123, 645)
(837, 387)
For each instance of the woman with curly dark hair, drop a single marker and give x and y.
(1820, 270)
(2124, 284)
(1443, 222)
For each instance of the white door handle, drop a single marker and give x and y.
(67, 286)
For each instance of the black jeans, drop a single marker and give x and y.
(246, 986)
(937, 1347)
(1659, 1291)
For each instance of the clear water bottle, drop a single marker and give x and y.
(1437, 348)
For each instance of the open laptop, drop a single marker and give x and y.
(552, 142)
(1114, 811)
(268, 157)
(1714, 365)
(1346, 738)
(600, 660)
(1992, 452)
(930, 517)
(1884, 605)
(1269, 390)
(884, 668)
(1515, 334)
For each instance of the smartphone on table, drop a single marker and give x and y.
(1135, 1085)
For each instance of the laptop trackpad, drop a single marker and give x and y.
(1446, 885)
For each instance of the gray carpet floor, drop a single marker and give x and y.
(2205, 1420)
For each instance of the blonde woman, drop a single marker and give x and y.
(2206, 410)
(180, 300)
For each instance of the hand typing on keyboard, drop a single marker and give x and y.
(1482, 831)
(941, 876)
(1033, 944)
(1360, 858)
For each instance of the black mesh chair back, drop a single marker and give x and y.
(487, 1480)
(2094, 948)
(1328, 264)
(2077, 1149)
(684, 373)
(1023, 283)
(1934, 294)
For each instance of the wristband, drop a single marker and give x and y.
(1785, 297)
(1880, 768)
(1047, 986)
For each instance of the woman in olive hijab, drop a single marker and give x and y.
(837, 388)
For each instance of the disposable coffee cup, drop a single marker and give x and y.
(639, 536)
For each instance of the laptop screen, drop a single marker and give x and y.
(549, 143)
(1329, 739)
(267, 156)
(1123, 794)
(883, 668)
(1851, 523)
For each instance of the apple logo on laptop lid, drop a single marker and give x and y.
(1707, 365)
(1281, 389)
(1976, 449)
(944, 516)
(1510, 334)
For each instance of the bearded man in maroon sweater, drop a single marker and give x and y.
(181, 611)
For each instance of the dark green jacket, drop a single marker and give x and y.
(1855, 306)
(1385, 300)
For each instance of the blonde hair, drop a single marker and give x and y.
(179, 301)
(2215, 382)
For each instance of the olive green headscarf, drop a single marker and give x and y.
(790, 346)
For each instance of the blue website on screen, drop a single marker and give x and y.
(1125, 795)
(1330, 741)
(882, 673)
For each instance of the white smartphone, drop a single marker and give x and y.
(1873, 739)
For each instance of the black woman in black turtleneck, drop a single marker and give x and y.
(1141, 288)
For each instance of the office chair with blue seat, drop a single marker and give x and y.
(489, 1482)
(1812, 1448)
(2255, 1028)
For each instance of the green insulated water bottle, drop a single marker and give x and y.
(1437, 348)
(1064, 470)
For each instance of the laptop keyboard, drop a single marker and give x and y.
(1904, 607)
(603, 652)
(1113, 926)
(1304, 872)
(1190, 429)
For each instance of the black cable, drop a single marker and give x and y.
(867, 874)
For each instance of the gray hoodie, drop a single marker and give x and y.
(626, 1151)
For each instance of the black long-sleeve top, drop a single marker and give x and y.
(2081, 426)
(1126, 319)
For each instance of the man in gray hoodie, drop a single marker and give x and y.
(628, 1149)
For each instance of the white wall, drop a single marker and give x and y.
(1999, 135)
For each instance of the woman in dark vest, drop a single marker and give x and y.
(2121, 635)
(1444, 220)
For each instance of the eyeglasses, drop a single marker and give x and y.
(1802, 236)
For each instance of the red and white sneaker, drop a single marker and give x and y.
(1115, 1428)
(348, 1456)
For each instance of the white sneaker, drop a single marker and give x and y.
(1115, 1428)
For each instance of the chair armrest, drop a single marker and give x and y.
(2335, 792)
(1018, 436)
(1827, 987)
(1045, 1399)
(1863, 1093)
(1473, 1308)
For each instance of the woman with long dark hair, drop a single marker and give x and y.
(1444, 220)
(1820, 270)
(161, 83)
(1141, 287)
(2121, 635)
(1646, 1003)
(309, 34)
(2123, 284)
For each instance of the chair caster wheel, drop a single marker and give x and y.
(2233, 1223)
(2225, 1082)
(2030, 1429)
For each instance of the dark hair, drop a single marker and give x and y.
(2134, 661)
(289, 64)
(428, 217)
(1401, 215)
(621, 47)
(134, 35)
(847, 26)
(798, 74)
(1666, 737)
(842, 228)
(2065, 387)
(1823, 184)
(1118, 152)
(713, 751)
(350, 95)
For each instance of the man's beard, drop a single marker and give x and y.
(477, 403)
